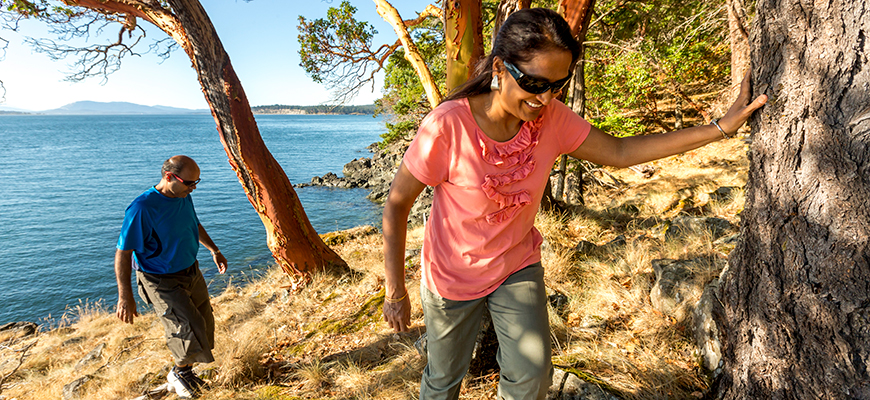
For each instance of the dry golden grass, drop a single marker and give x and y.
(328, 341)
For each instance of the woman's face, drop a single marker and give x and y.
(542, 70)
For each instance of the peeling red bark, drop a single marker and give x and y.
(463, 27)
(294, 243)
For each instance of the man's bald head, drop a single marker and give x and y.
(177, 164)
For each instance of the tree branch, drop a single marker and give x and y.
(412, 54)
(23, 352)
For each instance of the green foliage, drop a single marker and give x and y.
(641, 53)
(619, 125)
(319, 39)
(338, 51)
(404, 97)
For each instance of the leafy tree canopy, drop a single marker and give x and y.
(639, 53)
(338, 51)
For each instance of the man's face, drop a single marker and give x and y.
(184, 182)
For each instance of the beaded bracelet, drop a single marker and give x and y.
(399, 300)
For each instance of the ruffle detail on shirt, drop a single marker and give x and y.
(515, 153)
(513, 202)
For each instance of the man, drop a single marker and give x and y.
(159, 240)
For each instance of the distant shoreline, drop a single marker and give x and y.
(35, 114)
(126, 108)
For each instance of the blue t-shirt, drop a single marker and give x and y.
(163, 233)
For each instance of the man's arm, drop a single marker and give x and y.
(123, 270)
(216, 255)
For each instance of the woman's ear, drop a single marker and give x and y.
(497, 65)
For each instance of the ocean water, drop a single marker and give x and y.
(67, 179)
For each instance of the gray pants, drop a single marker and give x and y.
(519, 315)
(181, 300)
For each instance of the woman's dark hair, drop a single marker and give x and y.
(523, 34)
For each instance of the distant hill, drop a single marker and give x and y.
(6, 110)
(321, 109)
(116, 107)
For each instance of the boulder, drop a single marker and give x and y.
(339, 237)
(704, 328)
(95, 355)
(16, 331)
(73, 389)
(673, 286)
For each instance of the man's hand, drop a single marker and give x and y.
(123, 270)
(220, 261)
(126, 309)
(398, 315)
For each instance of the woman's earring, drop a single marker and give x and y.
(494, 84)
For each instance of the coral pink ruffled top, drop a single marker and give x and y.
(481, 227)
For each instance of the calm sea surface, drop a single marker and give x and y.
(67, 179)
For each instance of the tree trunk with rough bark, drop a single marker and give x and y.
(297, 248)
(293, 241)
(578, 13)
(795, 300)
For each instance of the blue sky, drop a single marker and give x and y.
(259, 36)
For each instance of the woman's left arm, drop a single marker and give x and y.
(601, 148)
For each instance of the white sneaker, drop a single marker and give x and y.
(182, 384)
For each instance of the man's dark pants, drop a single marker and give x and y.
(181, 300)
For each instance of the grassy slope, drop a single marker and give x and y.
(327, 340)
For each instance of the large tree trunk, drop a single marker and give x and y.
(463, 32)
(578, 13)
(297, 248)
(293, 241)
(796, 296)
(506, 8)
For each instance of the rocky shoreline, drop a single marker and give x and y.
(375, 174)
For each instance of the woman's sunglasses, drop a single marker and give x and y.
(535, 85)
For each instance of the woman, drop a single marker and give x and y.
(487, 150)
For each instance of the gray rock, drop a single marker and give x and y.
(683, 225)
(156, 393)
(704, 328)
(71, 341)
(723, 193)
(16, 331)
(420, 210)
(567, 386)
(673, 286)
(73, 389)
(95, 355)
(357, 167)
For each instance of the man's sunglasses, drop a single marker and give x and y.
(188, 183)
(535, 85)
